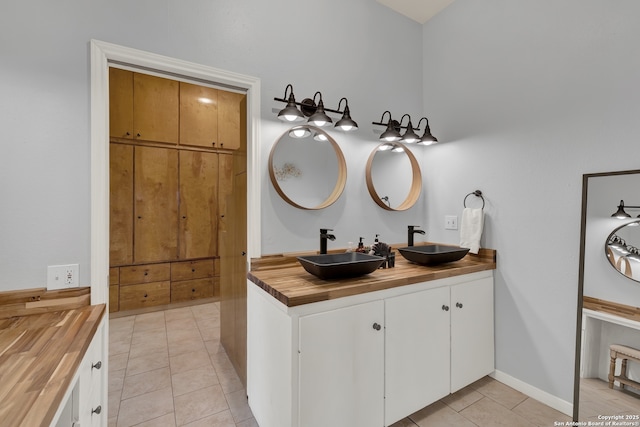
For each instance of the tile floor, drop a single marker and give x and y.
(168, 368)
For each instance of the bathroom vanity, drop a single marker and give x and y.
(366, 351)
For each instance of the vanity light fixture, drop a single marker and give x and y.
(427, 138)
(392, 133)
(317, 113)
(319, 118)
(290, 113)
(621, 214)
(409, 136)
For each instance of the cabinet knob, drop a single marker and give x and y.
(193, 270)
(376, 326)
(145, 295)
(445, 307)
(97, 365)
(243, 253)
(128, 134)
(97, 410)
(213, 143)
(139, 217)
(459, 304)
(138, 135)
(184, 217)
(193, 290)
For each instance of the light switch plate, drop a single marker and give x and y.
(451, 222)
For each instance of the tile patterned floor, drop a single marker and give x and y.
(168, 368)
(596, 398)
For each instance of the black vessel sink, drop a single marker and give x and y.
(340, 266)
(433, 254)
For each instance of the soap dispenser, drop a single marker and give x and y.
(360, 245)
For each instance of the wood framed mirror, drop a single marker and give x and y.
(307, 168)
(393, 177)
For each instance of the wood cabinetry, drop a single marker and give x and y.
(143, 107)
(210, 117)
(372, 358)
(166, 201)
(155, 204)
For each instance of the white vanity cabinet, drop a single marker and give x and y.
(85, 402)
(369, 359)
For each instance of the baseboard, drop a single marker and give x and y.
(535, 393)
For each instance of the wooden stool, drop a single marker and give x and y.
(625, 353)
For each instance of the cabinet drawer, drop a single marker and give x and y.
(144, 295)
(192, 269)
(188, 290)
(114, 298)
(114, 276)
(145, 273)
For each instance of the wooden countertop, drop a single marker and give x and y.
(39, 356)
(284, 279)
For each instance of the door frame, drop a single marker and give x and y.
(103, 53)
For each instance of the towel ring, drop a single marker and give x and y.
(476, 193)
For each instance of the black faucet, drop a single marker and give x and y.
(410, 232)
(324, 235)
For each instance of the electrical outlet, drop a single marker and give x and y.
(62, 276)
(451, 222)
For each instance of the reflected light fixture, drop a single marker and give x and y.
(409, 136)
(618, 245)
(317, 113)
(634, 253)
(621, 213)
(385, 147)
(320, 136)
(299, 132)
(427, 138)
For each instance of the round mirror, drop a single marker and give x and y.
(307, 168)
(622, 251)
(393, 177)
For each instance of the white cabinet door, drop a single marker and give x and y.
(341, 367)
(416, 351)
(472, 347)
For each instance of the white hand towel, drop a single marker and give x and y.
(471, 229)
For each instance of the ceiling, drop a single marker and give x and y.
(418, 10)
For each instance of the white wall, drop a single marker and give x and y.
(340, 48)
(526, 97)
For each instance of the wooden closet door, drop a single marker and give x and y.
(120, 204)
(198, 233)
(155, 108)
(120, 103)
(198, 115)
(156, 204)
(231, 111)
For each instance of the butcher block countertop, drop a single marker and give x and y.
(284, 279)
(40, 354)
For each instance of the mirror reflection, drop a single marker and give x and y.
(622, 250)
(393, 177)
(307, 168)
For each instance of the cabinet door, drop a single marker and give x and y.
(231, 108)
(416, 351)
(120, 103)
(156, 204)
(341, 362)
(120, 205)
(198, 219)
(198, 115)
(472, 346)
(155, 108)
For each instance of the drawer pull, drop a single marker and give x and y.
(445, 307)
(98, 365)
(97, 410)
(459, 304)
(377, 327)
